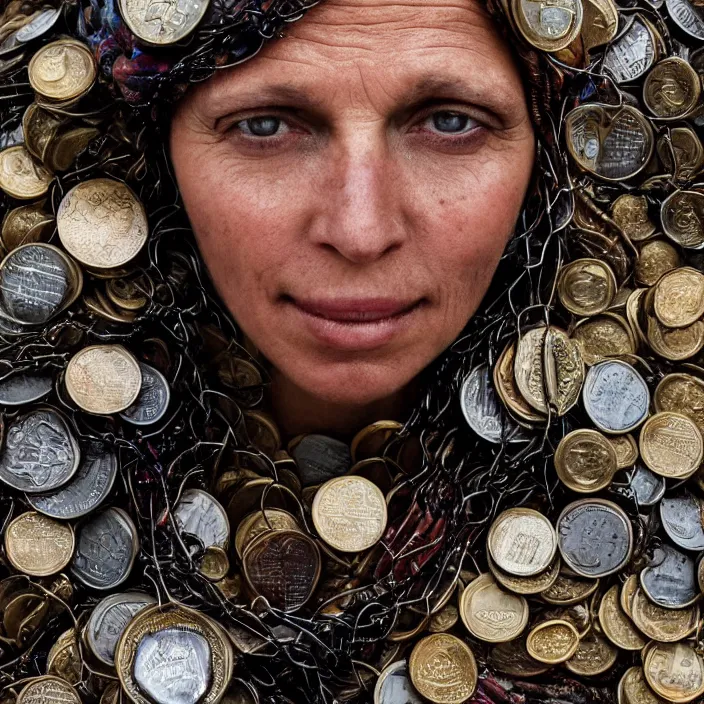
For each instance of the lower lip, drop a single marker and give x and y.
(359, 335)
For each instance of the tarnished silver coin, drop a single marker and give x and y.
(162, 23)
(631, 53)
(595, 537)
(38, 26)
(153, 399)
(670, 579)
(88, 489)
(647, 487)
(24, 388)
(483, 410)
(200, 514)
(40, 454)
(688, 18)
(394, 686)
(615, 396)
(681, 518)
(320, 458)
(106, 547)
(109, 619)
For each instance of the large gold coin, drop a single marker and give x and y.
(675, 344)
(548, 28)
(682, 215)
(349, 513)
(102, 223)
(681, 393)
(606, 335)
(594, 656)
(671, 89)
(617, 626)
(655, 258)
(626, 449)
(600, 23)
(586, 286)
(443, 669)
(62, 70)
(553, 642)
(20, 176)
(671, 445)
(505, 384)
(678, 300)
(675, 671)
(491, 613)
(585, 461)
(633, 689)
(659, 623)
(630, 213)
(38, 545)
(103, 379)
(48, 690)
(681, 152)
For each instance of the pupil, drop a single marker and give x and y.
(449, 121)
(264, 126)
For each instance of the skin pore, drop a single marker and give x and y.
(352, 189)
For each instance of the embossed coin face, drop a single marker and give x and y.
(671, 445)
(681, 518)
(678, 300)
(647, 486)
(633, 689)
(655, 258)
(156, 25)
(40, 453)
(595, 537)
(682, 215)
(603, 336)
(522, 542)
(106, 547)
(153, 399)
(258, 522)
(681, 393)
(526, 585)
(585, 461)
(675, 671)
(201, 514)
(616, 397)
(632, 53)
(490, 613)
(672, 88)
(670, 580)
(569, 589)
(102, 223)
(659, 623)
(24, 388)
(630, 213)
(548, 27)
(594, 655)
(443, 669)
(62, 70)
(626, 449)
(505, 384)
(349, 513)
(681, 152)
(586, 286)
(48, 690)
(675, 343)
(688, 18)
(38, 545)
(528, 368)
(109, 619)
(103, 379)
(616, 624)
(21, 176)
(553, 642)
(320, 458)
(394, 686)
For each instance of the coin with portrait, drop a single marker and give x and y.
(62, 70)
(585, 461)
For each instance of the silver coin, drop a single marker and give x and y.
(41, 24)
(483, 410)
(24, 388)
(105, 549)
(85, 492)
(595, 537)
(670, 579)
(647, 486)
(162, 23)
(40, 453)
(631, 54)
(687, 17)
(394, 686)
(200, 514)
(172, 666)
(153, 399)
(681, 518)
(320, 458)
(35, 280)
(109, 619)
(615, 396)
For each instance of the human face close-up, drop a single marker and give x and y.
(352, 188)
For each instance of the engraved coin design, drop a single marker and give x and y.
(670, 580)
(62, 70)
(37, 545)
(20, 389)
(585, 461)
(615, 396)
(443, 669)
(682, 215)
(394, 686)
(671, 445)
(103, 379)
(528, 368)
(349, 513)
(102, 223)
(505, 384)
(675, 671)
(40, 453)
(20, 176)
(200, 514)
(24, 225)
(594, 655)
(48, 690)
(88, 488)
(586, 286)
(526, 585)
(679, 297)
(568, 589)
(672, 88)
(258, 522)
(553, 642)
(681, 518)
(626, 449)
(659, 623)
(109, 619)
(687, 17)
(681, 152)
(616, 624)
(548, 27)
(654, 259)
(595, 537)
(633, 689)
(162, 23)
(153, 399)
(38, 26)
(675, 343)
(630, 213)
(603, 336)
(320, 458)
(491, 613)
(632, 53)
(645, 486)
(611, 143)
(106, 548)
(681, 393)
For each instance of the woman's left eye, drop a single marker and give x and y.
(451, 122)
(264, 126)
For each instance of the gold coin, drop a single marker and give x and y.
(600, 23)
(630, 213)
(522, 542)
(443, 669)
(675, 344)
(62, 151)
(671, 445)
(103, 379)
(126, 293)
(214, 565)
(528, 368)
(262, 432)
(616, 625)
(490, 613)
(678, 300)
(633, 689)
(681, 393)
(370, 441)
(671, 89)
(26, 224)
(569, 589)
(682, 215)
(594, 656)
(38, 545)
(39, 127)
(659, 623)
(675, 671)
(681, 152)
(628, 589)
(700, 575)
(606, 335)
(62, 70)
(526, 585)
(626, 449)
(102, 223)
(256, 523)
(586, 286)
(585, 461)
(553, 642)
(48, 690)
(20, 176)
(633, 314)
(64, 658)
(655, 258)
(505, 384)
(548, 31)
(444, 620)
(349, 513)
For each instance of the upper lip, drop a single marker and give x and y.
(355, 309)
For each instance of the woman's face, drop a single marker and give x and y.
(353, 187)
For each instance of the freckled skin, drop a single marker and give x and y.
(362, 196)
